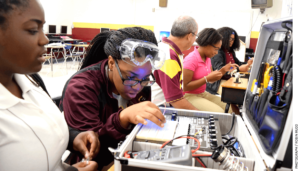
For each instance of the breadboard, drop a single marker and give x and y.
(153, 133)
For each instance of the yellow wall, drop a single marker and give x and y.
(111, 26)
(254, 34)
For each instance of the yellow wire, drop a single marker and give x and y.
(198, 132)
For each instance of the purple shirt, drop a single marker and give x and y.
(194, 62)
(88, 104)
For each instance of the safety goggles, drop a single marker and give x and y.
(132, 82)
(139, 52)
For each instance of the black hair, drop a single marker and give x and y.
(6, 6)
(208, 36)
(105, 44)
(226, 32)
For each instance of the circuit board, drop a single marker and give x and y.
(206, 130)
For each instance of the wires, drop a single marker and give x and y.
(193, 151)
(198, 132)
(232, 124)
(230, 144)
(201, 163)
(184, 136)
(201, 155)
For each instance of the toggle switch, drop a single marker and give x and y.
(212, 127)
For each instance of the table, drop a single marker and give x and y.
(65, 40)
(53, 47)
(245, 74)
(233, 93)
(77, 45)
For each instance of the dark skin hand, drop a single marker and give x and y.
(22, 42)
(136, 113)
(87, 143)
(84, 166)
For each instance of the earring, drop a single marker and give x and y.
(109, 69)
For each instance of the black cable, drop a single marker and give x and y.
(202, 162)
(274, 79)
(232, 124)
(229, 144)
(177, 138)
(278, 79)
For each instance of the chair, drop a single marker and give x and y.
(79, 52)
(73, 54)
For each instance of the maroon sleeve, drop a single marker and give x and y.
(81, 110)
(169, 83)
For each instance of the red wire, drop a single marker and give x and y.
(193, 151)
(283, 79)
(200, 163)
(201, 155)
(126, 155)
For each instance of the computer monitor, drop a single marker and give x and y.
(163, 34)
(52, 28)
(63, 29)
(104, 29)
(243, 38)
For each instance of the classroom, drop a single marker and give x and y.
(152, 85)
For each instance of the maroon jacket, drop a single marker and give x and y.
(88, 104)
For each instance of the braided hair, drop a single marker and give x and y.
(226, 32)
(105, 44)
(6, 6)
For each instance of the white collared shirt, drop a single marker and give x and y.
(33, 132)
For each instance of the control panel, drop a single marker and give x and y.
(206, 130)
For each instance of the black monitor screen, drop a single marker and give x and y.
(52, 28)
(259, 2)
(63, 29)
(243, 38)
(104, 29)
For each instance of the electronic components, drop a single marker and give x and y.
(227, 161)
(206, 130)
(176, 155)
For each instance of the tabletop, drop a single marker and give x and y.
(64, 40)
(245, 72)
(54, 46)
(78, 45)
(230, 84)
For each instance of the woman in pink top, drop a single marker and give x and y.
(197, 71)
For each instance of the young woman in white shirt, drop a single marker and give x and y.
(33, 132)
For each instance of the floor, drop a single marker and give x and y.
(55, 80)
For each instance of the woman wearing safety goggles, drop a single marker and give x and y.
(111, 92)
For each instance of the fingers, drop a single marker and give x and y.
(83, 150)
(152, 105)
(80, 143)
(95, 144)
(235, 65)
(91, 166)
(86, 166)
(140, 119)
(157, 113)
(79, 164)
(154, 119)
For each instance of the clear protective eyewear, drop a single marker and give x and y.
(132, 82)
(139, 52)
